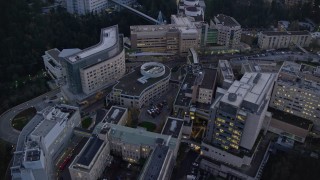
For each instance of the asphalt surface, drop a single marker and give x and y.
(7, 132)
(160, 119)
(276, 56)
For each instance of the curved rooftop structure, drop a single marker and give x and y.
(193, 11)
(152, 69)
(109, 40)
(191, 2)
(134, 84)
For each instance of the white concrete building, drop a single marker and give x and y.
(98, 66)
(297, 91)
(41, 142)
(207, 87)
(83, 7)
(91, 161)
(229, 30)
(52, 63)
(134, 144)
(283, 39)
(194, 9)
(175, 38)
(138, 88)
(237, 118)
(225, 74)
(159, 165)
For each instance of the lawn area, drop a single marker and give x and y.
(86, 122)
(148, 125)
(21, 119)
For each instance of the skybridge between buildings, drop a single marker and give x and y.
(148, 18)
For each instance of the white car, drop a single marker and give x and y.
(195, 164)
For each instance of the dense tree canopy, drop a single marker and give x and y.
(259, 13)
(152, 7)
(25, 33)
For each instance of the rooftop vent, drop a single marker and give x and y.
(173, 126)
(256, 79)
(115, 113)
(232, 97)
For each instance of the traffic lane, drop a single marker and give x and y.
(186, 165)
(65, 174)
(7, 132)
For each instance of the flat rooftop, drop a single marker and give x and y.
(130, 85)
(156, 162)
(44, 128)
(90, 151)
(285, 33)
(153, 28)
(52, 116)
(181, 99)
(181, 20)
(109, 37)
(260, 66)
(227, 20)
(290, 118)
(33, 155)
(251, 88)
(27, 130)
(139, 136)
(301, 75)
(114, 115)
(162, 29)
(173, 127)
(258, 158)
(54, 53)
(209, 78)
(226, 69)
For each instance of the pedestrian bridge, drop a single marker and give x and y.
(148, 18)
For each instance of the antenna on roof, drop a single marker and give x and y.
(160, 19)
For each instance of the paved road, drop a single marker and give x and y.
(7, 132)
(277, 56)
(186, 166)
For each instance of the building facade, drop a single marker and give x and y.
(141, 86)
(296, 91)
(207, 87)
(90, 163)
(175, 38)
(283, 39)
(237, 118)
(52, 63)
(229, 30)
(194, 9)
(159, 164)
(135, 144)
(225, 74)
(98, 66)
(82, 7)
(42, 141)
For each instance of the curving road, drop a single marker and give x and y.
(7, 132)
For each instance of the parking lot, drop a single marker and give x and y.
(159, 109)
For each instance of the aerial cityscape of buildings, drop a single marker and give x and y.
(192, 80)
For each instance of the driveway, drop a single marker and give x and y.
(7, 132)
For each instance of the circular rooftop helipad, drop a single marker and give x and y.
(152, 69)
